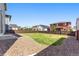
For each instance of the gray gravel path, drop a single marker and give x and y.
(70, 47)
(6, 42)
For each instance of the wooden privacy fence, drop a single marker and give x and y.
(49, 32)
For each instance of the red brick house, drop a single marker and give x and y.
(61, 26)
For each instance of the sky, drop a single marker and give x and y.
(30, 14)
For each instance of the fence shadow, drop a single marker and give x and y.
(69, 47)
(58, 42)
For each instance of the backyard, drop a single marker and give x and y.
(43, 44)
(46, 39)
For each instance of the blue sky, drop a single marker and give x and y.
(29, 14)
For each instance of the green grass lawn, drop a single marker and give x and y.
(47, 39)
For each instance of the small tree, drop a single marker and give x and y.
(71, 30)
(53, 28)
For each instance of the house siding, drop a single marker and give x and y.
(61, 27)
(2, 18)
(2, 21)
(40, 28)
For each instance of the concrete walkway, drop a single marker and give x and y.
(25, 46)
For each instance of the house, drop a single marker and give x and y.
(40, 28)
(14, 27)
(4, 19)
(74, 28)
(61, 26)
(3, 8)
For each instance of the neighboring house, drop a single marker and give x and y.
(74, 28)
(2, 17)
(61, 26)
(40, 28)
(14, 27)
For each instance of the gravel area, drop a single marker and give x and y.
(6, 42)
(70, 47)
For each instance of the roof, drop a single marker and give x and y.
(44, 26)
(14, 26)
(61, 22)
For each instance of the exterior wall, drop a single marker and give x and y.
(39, 28)
(14, 28)
(7, 22)
(34, 29)
(45, 29)
(2, 18)
(61, 26)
